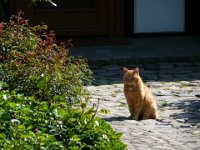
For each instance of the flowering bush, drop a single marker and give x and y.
(43, 102)
(33, 63)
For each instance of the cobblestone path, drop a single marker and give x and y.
(176, 88)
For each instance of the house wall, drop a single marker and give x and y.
(151, 16)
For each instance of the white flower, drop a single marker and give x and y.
(105, 136)
(5, 97)
(97, 123)
(60, 122)
(15, 121)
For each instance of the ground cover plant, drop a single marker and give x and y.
(43, 102)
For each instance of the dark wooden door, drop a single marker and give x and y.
(76, 17)
(71, 17)
(192, 24)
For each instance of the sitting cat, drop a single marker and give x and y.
(139, 97)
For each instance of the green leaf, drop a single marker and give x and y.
(2, 136)
(21, 127)
(12, 105)
(3, 85)
(32, 134)
(75, 138)
(27, 146)
(50, 138)
(89, 111)
(59, 97)
(20, 98)
(105, 111)
(47, 78)
(29, 127)
(40, 83)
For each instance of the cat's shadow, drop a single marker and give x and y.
(121, 118)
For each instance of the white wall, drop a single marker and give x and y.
(152, 16)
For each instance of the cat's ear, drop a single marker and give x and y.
(136, 70)
(125, 69)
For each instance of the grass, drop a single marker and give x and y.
(163, 103)
(123, 105)
(105, 111)
(183, 85)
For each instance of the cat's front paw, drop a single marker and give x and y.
(145, 117)
(130, 117)
(133, 117)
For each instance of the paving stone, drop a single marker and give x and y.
(169, 70)
(197, 64)
(165, 77)
(151, 67)
(164, 66)
(181, 65)
(162, 93)
(182, 70)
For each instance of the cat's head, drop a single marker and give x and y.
(131, 77)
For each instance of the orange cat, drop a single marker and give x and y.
(139, 98)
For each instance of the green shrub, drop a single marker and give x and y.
(43, 104)
(33, 63)
(27, 123)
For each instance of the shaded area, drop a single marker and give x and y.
(160, 58)
(113, 74)
(149, 49)
(99, 41)
(110, 119)
(191, 111)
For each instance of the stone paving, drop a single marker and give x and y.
(176, 88)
